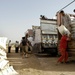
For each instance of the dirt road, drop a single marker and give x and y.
(37, 65)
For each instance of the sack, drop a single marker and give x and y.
(63, 29)
(3, 42)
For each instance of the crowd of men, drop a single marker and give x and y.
(24, 47)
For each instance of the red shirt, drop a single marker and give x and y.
(63, 42)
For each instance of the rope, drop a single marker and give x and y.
(66, 5)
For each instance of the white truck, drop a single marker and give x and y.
(46, 36)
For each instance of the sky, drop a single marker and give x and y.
(16, 16)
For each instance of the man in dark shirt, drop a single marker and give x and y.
(24, 47)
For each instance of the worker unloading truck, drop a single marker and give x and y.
(64, 29)
(70, 26)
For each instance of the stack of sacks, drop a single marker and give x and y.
(3, 54)
(73, 29)
(63, 29)
(5, 68)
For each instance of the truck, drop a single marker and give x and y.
(46, 36)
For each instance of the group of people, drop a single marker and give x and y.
(16, 46)
(66, 21)
(24, 47)
(25, 44)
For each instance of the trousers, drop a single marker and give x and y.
(64, 56)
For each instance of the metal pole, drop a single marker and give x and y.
(66, 5)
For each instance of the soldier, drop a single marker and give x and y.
(25, 47)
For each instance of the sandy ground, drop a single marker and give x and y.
(40, 65)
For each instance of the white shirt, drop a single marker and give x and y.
(16, 44)
(9, 44)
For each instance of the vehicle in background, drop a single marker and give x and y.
(46, 36)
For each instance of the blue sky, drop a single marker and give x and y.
(16, 16)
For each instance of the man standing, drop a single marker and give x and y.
(9, 46)
(16, 47)
(65, 20)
